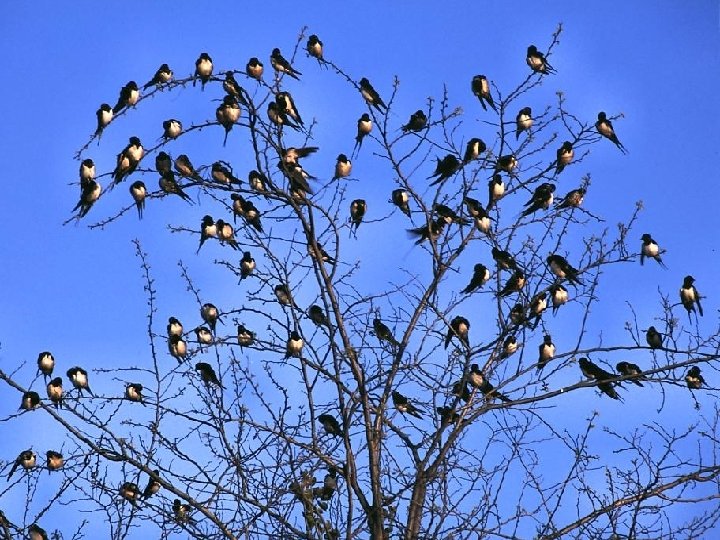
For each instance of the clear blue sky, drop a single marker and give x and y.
(78, 292)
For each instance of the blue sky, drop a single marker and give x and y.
(78, 292)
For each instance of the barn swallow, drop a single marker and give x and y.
(281, 65)
(474, 148)
(138, 191)
(315, 47)
(541, 199)
(247, 265)
(562, 269)
(210, 314)
(559, 296)
(26, 459)
(654, 338)
(227, 114)
(400, 198)
(371, 96)
(481, 88)
(496, 190)
(287, 104)
(104, 116)
(477, 379)
(294, 345)
(203, 69)
(445, 168)
(133, 392)
(79, 379)
(129, 96)
(177, 348)
(163, 75)
(254, 68)
(258, 181)
(317, 316)
(357, 212)
(296, 175)
(403, 405)
(565, 155)
(128, 159)
(130, 492)
(459, 327)
(278, 116)
(480, 277)
(630, 370)
(55, 392)
(364, 127)
(320, 254)
(523, 121)
(238, 206)
(153, 485)
(172, 129)
(46, 363)
(514, 284)
(507, 163)
(572, 200)
(538, 304)
(343, 167)
(232, 88)
(163, 163)
(184, 168)
(509, 347)
(331, 425)
(417, 122)
(504, 260)
(383, 333)
(688, 296)
(182, 512)
(55, 460)
(203, 335)
(252, 215)
(329, 484)
(207, 374)
(605, 128)
(537, 61)
(292, 155)
(29, 400)
(431, 231)
(694, 379)
(222, 173)
(90, 194)
(87, 171)
(282, 293)
(449, 215)
(448, 415)
(595, 372)
(244, 336)
(460, 390)
(169, 186)
(35, 532)
(174, 327)
(546, 352)
(650, 249)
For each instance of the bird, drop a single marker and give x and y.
(46, 363)
(233, 88)
(278, 116)
(627, 369)
(459, 327)
(357, 212)
(169, 186)
(153, 485)
(254, 68)
(694, 379)
(383, 333)
(546, 352)
(182, 512)
(133, 392)
(689, 296)
(208, 229)
(481, 89)
(222, 173)
(227, 114)
(283, 295)
(473, 149)
(558, 295)
(477, 379)
(481, 275)
(364, 127)
(595, 372)
(509, 347)
(163, 75)
(565, 155)
(203, 69)
(541, 199)
(562, 269)
(504, 260)
(448, 415)
(35, 532)
(605, 128)
(87, 171)
(400, 198)
(138, 191)
(654, 338)
(445, 168)
(128, 159)
(172, 128)
(317, 252)
(26, 459)
(79, 379)
(238, 205)
(517, 315)
(314, 47)
(343, 167)
(537, 61)
(477, 211)
(203, 335)
(104, 116)
(404, 405)
(184, 168)
(174, 327)
(448, 214)
(55, 460)
(296, 175)
(331, 425)
(417, 122)
(281, 65)
(163, 163)
(496, 190)
(244, 336)
(514, 284)
(29, 400)
(129, 96)
(252, 215)
(507, 163)
(287, 105)
(55, 392)
(258, 181)
(294, 345)
(210, 314)
(177, 348)
(291, 155)
(431, 231)
(573, 199)
(650, 249)
(329, 484)
(207, 374)
(371, 96)
(538, 304)
(89, 195)
(247, 265)
(523, 121)
(317, 316)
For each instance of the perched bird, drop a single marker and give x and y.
(254, 68)
(169, 186)
(258, 181)
(294, 345)
(89, 196)
(133, 392)
(104, 116)
(29, 400)
(694, 379)
(400, 198)
(509, 347)
(208, 229)
(129, 96)
(35, 532)
(174, 327)
(460, 390)
(514, 284)
(546, 352)
(184, 168)
(55, 460)
(650, 249)
(459, 327)
(541, 199)
(403, 405)
(630, 370)
(496, 190)
(431, 231)
(417, 122)
(537, 61)
(203, 69)
(448, 415)
(252, 215)
(292, 155)
(329, 485)
(177, 348)
(233, 88)
(138, 191)
(317, 316)
(244, 336)
(383, 333)
(481, 275)
(523, 121)
(572, 200)
(207, 374)
(278, 116)
(477, 379)
(153, 485)
(247, 265)
(55, 392)
(654, 338)
(87, 171)
(314, 47)
(364, 127)
(281, 65)
(182, 512)
(605, 128)
(296, 175)
(286, 104)
(318, 252)
(210, 314)
(448, 214)
(203, 335)
(163, 75)
(688, 296)
(79, 379)
(238, 206)
(507, 163)
(445, 168)
(26, 459)
(331, 425)
(481, 88)
(538, 304)
(227, 114)
(479, 214)
(559, 296)
(222, 173)
(46, 363)
(343, 167)
(504, 260)
(172, 129)
(474, 148)
(562, 269)
(357, 212)
(128, 159)
(283, 295)
(517, 315)
(371, 96)
(565, 155)
(595, 372)
(163, 163)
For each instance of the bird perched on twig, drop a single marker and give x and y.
(565, 155)
(563, 269)
(371, 96)
(404, 405)
(689, 296)
(605, 128)
(694, 379)
(459, 327)
(650, 249)
(282, 66)
(630, 370)
(595, 372)
(383, 333)
(523, 121)
(537, 61)
(481, 89)
(203, 69)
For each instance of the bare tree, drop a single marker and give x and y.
(317, 401)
